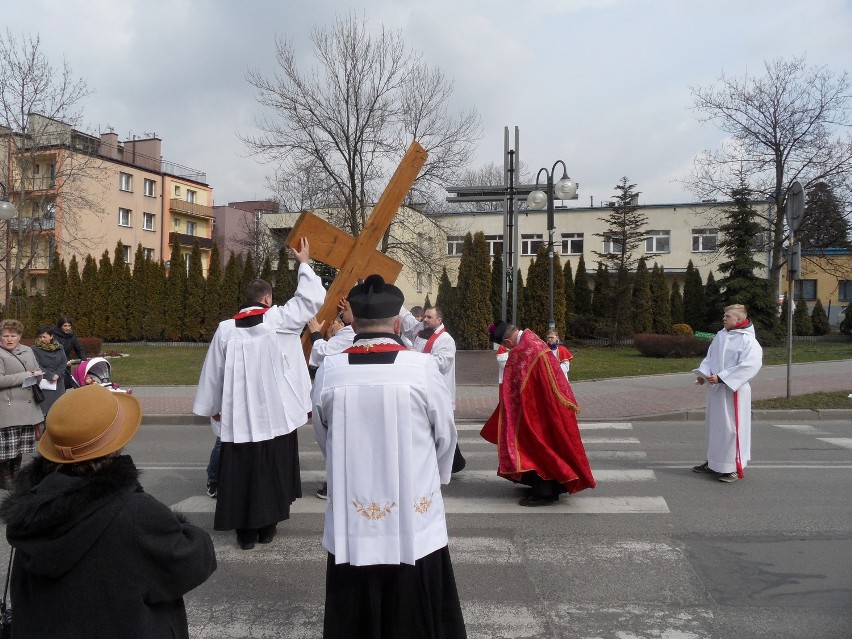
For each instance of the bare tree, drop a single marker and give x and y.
(45, 162)
(791, 123)
(336, 132)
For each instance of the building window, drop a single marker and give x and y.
(572, 244)
(149, 188)
(805, 289)
(419, 281)
(495, 244)
(658, 242)
(126, 249)
(191, 228)
(148, 253)
(125, 182)
(191, 196)
(844, 290)
(455, 244)
(148, 221)
(530, 243)
(124, 217)
(177, 190)
(704, 240)
(611, 245)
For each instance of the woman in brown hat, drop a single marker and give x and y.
(95, 556)
(19, 413)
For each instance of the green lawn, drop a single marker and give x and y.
(156, 365)
(813, 401)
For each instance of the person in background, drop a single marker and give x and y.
(64, 334)
(733, 359)
(20, 417)
(560, 352)
(53, 363)
(96, 556)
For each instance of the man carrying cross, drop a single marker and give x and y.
(256, 380)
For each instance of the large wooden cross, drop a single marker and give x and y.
(356, 258)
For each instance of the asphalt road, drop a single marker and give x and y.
(654, 551)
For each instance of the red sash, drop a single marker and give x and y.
(250, 313)
(375, 348)
(431, 341)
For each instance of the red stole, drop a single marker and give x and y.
(535, 424)
(431, 341)
(251, 312)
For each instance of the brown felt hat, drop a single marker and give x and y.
(88, 423)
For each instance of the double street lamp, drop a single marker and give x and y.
(564, 189)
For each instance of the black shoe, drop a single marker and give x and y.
(246, 539)
(212, 490)
(533, 501)
(267, 534)
(703, 468)
(728, 478)
(322, 493)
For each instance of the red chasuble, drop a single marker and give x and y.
(535, 424)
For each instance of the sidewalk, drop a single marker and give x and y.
(673, 396)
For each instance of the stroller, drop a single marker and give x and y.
(95, 371)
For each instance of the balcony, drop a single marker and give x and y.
(190, 208)
(36, 183)
(32, 224)
(188, 240)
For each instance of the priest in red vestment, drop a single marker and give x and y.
(535, 424)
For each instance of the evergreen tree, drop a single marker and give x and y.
(621, 325)
(73, 292)
(84, 326)
(739, 285)
(661, 310)
(285, 283)
(266, 270)
(823, 223)
(582, 290)
(35, 314)
(602, 295)
(801, 319)
(176, 295)
(249, 273)
(496, 286)
(693, 299)
(713, 308)
(232, 295)
(819, 319)
(154, 325)
(640, 299)
(522, 292)
(473, 295)
(100, 319)
(446, 299)
(55, 289)
(213, 294)
(194, 305)
(676, 304)
(427, 304)
(116, 329)
(570, 299)
(846, 324)
(137, 295)
(785, 313)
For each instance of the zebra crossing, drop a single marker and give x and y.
(624, 484)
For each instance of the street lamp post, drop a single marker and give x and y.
(7, 209)
(564, 189)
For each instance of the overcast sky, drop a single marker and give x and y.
(602, 84)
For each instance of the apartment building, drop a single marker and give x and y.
(79, 194)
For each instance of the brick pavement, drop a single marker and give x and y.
(619, 398)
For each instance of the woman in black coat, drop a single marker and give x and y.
(64, 334)
(95, 556)
(52, 362)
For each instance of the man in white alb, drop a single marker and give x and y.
(383, 419)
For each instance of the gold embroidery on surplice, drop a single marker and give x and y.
(424, 504)
(373, 511)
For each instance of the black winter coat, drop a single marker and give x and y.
(69, 343)
(97, 557)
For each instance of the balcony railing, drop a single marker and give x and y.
(188, 240)
(34, 224)
(190, 208)
(39, 183)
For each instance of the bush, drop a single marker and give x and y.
(92, 345)
(652, 345)
(682, 329)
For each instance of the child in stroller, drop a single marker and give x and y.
(96, 371)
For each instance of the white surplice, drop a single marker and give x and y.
(338, 343)
(736, 357)
(256, 377)
(388, 436)
(443, 349)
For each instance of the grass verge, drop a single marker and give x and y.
(812, 401)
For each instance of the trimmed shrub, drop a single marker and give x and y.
(92, 345)
(653, 345)
(682, 329)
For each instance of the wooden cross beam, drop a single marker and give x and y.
(356, 258)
